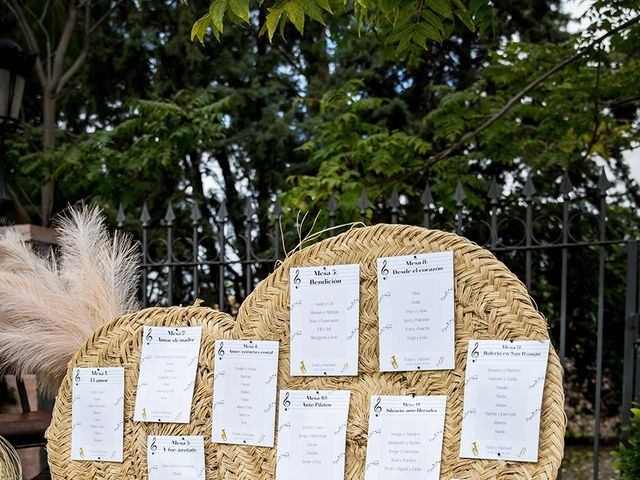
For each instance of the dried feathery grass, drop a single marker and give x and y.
(50, 306)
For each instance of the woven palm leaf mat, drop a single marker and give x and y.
(490, 303)
(118, 344)
(10, 465)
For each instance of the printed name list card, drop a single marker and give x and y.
(168, 365)
(405, 437)
(175, 458)
(416, 312)
(97, 414)
(503, 388)
(244, 392)
(325, 305)
(312, 432)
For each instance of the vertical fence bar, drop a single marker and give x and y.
(459, 196)
(120, 217)
(630, 335)
(222, 218)
(169, 218)
(277, 213)
(529, 191)
(195, 220)
(427, 202)
(494, 195)
(332, 206)
(394, 203)
(363, 204)
(603, 184)
(248, 213)
(145, 220)
(565, 189)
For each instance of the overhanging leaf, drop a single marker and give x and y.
(295, 12)
(240, 8)
(199, 28)
(216, 12)
(441, 7)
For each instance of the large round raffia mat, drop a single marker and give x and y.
(10, 464)
(118, 344)
(490, 303)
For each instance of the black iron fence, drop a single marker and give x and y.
(576, 251)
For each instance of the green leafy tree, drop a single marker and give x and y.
(402, 23)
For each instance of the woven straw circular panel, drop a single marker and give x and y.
(118, 344)
(490, 303)
(10, 464)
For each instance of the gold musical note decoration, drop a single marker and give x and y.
(394, 361)
(474, 449)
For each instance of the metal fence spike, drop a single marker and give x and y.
(277, 208)
(333, 203)
(603, 182)
(394, 201)
(248, 208)
(363, 202)
(529, 189)
(195, 214)
(427, 198)
(566, 187)
(222, 212)
(169, 217)
(145, 218)
(494, 192)
(459, 195)
(120, 216)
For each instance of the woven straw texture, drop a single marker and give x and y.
(491, 303)
(10, 464)
(118, 344)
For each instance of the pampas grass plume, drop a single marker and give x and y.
(50, 306)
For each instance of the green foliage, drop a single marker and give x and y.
(628, 455)
(143, 147)
(402, 22)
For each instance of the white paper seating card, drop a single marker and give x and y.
(405, 437)
(244, 392)
(504, 382)
(167, 375)
(97, 414)
(325, 305)
(416, 312)
(312, 429)
(175, 458)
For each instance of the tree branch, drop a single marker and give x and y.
(84, 52)
(518, 96)
(104, 17)
(63, 44)
(45, 32)
(30, 38)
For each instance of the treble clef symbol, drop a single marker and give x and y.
(77, 376)
(221, 350)
(384, 270)
(377, 408)
(296, 278)
(153, 445)
(474, 352)
(149, 337)
(286, 401)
